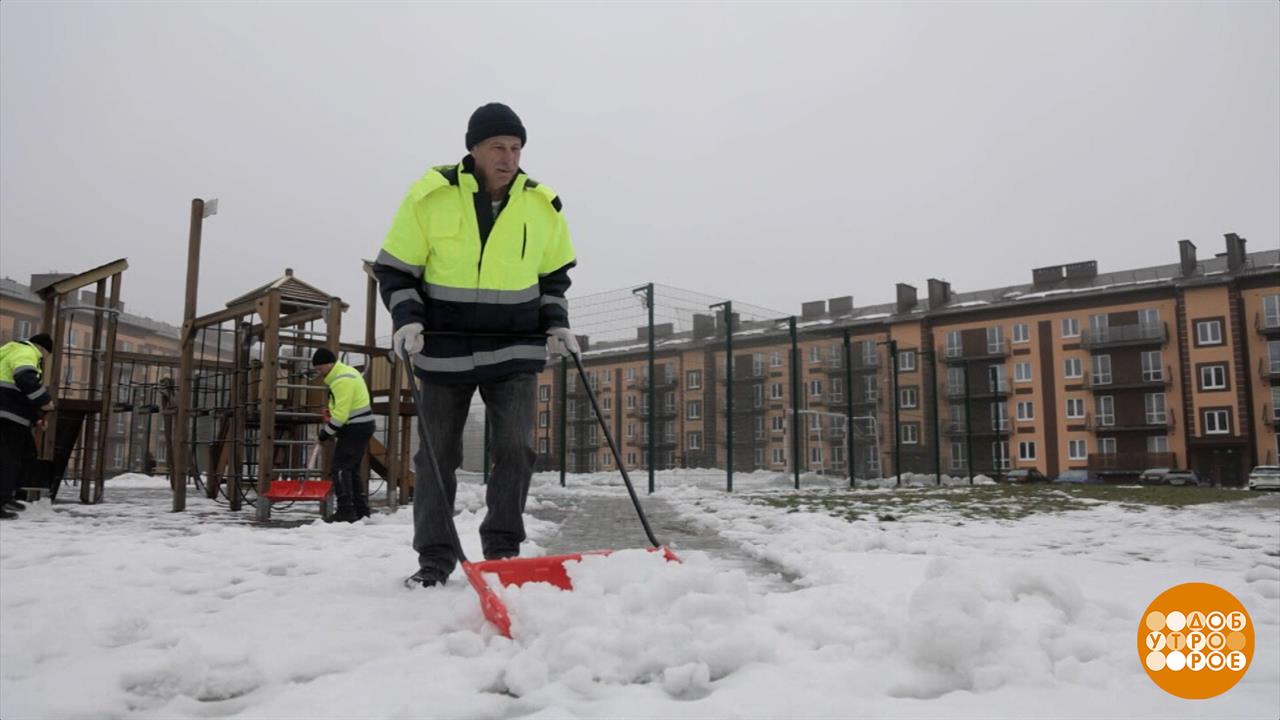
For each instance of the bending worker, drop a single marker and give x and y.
(351, 421)
(478, 255)
(23, 398)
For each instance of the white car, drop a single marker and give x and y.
(1265, 477)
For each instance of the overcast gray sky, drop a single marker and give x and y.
(769, 153)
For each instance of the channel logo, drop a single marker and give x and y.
(1195, 641)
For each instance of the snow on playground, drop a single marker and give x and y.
(924, 610)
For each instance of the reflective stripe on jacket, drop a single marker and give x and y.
(451, 265)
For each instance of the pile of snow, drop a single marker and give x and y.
(156, 614)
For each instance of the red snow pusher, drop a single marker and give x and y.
(521, 570)
(302, 489)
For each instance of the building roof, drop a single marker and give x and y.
(293, 292)
(14, 289)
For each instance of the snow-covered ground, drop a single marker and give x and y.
(127, 610)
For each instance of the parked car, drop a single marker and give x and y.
(1183, 477)
(1154, 476)
(1265, 477)
(1025, 475)
(1079, 477)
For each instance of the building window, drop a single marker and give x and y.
(815, 456)
(779, 456)
(1157, 443)
(1020, 333)
(1157, 413)
(757, 396)
(757, 364)
(693, 410)
(954, 348)
(1075, 407)
(117, 456)
(1208, 332)
(544, 446)
(906, 361)
(870, 388)
(775, 358)
(1073, 368)
(1106, 409)
(815, 388)
(1026, 411)
(606, 402)
(631, 374)
(775, 391)
(1027, 450)
(908, 397)
(957, 456)
(909, 433)
(1077, 449)
(778, 424)
(693, 379)
(1273, 356)
(22, 329)
(995, 339)
(757, 456)
(1107, 445)
(606, 458)
(1213, 377)
(1070, 327)
(1000, 454)
(1271, 311)
(544, 418)
(631, 431)
(544, 393)
(1101, 370)
(1000, 416)
(1152, 366)
(631, 401)
(1217, 422)
(608, 375)
(1022, 372)
(631, 459)
(694, 441)
(815, 354)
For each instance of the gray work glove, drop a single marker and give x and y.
(407, 340)
(560, 341)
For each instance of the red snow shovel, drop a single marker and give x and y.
(283, 490)
(518, 571)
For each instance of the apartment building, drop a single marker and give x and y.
(1174, 365)
(135, 439)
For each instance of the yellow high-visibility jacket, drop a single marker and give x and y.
(452, 264)
(348, 400)
(22, 392)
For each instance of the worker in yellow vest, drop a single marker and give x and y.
(350, 420)
(474, 271)
(23, 400)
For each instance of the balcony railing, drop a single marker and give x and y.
(1149, 423)
(664, 381)
(1150, 380)
(992, 351)
(1117, 335)
(957, 427)
(980, 390)
(1267, 325)
(1134, 462)
(662, 411)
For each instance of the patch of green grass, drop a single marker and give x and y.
(990, 502)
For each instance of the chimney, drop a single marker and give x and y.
(1042, 277)
(813, 309)
(1235, 252)
(703, 325)
(1187, 256)
(840, 304)
(1086, 270)
(939, 293)
(906, 297)
(660, 330)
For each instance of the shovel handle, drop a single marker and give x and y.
(315, 455)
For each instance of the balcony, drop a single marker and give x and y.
(1267, 326)
(957, 427)
(1149, 423)
(1269, 369)
(1124, 335)
(663, 382)
(1150, 381)
(662, 412)
(980, 390)
(1134, 462)
(663, 441)
(997, 350)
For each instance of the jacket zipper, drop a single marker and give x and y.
(524, 243)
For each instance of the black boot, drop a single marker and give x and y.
(6, 515)
(426, 577)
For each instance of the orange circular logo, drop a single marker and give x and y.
(1195, 641)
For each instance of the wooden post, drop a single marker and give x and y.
(182, 459)
(109, 364)
(93, 424)
(269, 311)
(52, 382)
(238, 399)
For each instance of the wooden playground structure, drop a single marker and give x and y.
(237, 405)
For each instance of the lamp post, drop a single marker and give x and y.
(728, 392)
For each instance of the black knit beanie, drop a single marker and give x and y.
(323, 356)
(491, 120)
(43, 340)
